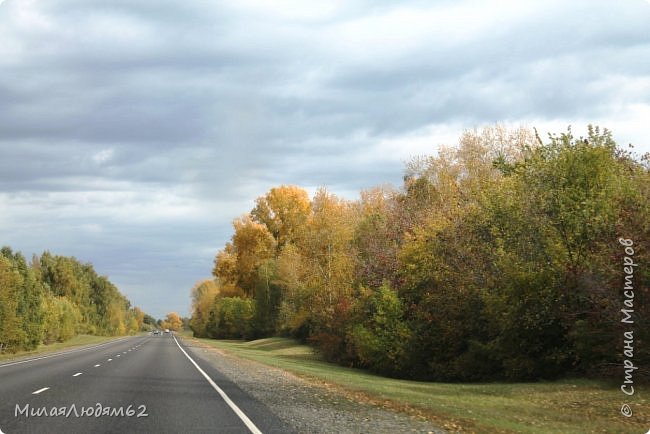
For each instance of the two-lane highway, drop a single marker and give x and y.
(136, 384)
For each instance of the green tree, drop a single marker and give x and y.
(231, 318)
(379, 337)
(268, 298)
(556, 220)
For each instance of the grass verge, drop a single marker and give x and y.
(568, 406)
(77, 341)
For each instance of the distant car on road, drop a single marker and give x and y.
(166, 331)
(156, 332)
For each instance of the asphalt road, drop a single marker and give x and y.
(132, 385)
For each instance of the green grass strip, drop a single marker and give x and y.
(567, 406)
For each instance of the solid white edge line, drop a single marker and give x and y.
(249, 423)
(40, 390)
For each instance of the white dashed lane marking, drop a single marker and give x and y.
(36, 392)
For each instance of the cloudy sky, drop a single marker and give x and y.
(132, 132)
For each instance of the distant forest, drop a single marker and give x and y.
(503, 257)
(54, 298)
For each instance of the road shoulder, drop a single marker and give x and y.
(308, 407)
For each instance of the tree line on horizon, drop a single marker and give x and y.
(498, 258)
(53, 298)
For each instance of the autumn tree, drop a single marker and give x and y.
(29, 299)
(238, 263)
(498, 258)
(225, 265)
(377, 237)
(136, 320)
(284, 211)
(11, 333)
(327, 251)
(445, 259)
(203, 296)
(172, 321)
(294, 311)
(62, 319)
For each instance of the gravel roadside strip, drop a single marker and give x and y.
(306, 406)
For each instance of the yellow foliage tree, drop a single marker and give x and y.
(138, 316)
(284, 211)
(203, 296)
(173, 321)
(252, 245)
(225, 265)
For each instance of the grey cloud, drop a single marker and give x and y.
(206, 106)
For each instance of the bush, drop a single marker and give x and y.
(378, 340)
(231, 318)
(329, 332)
